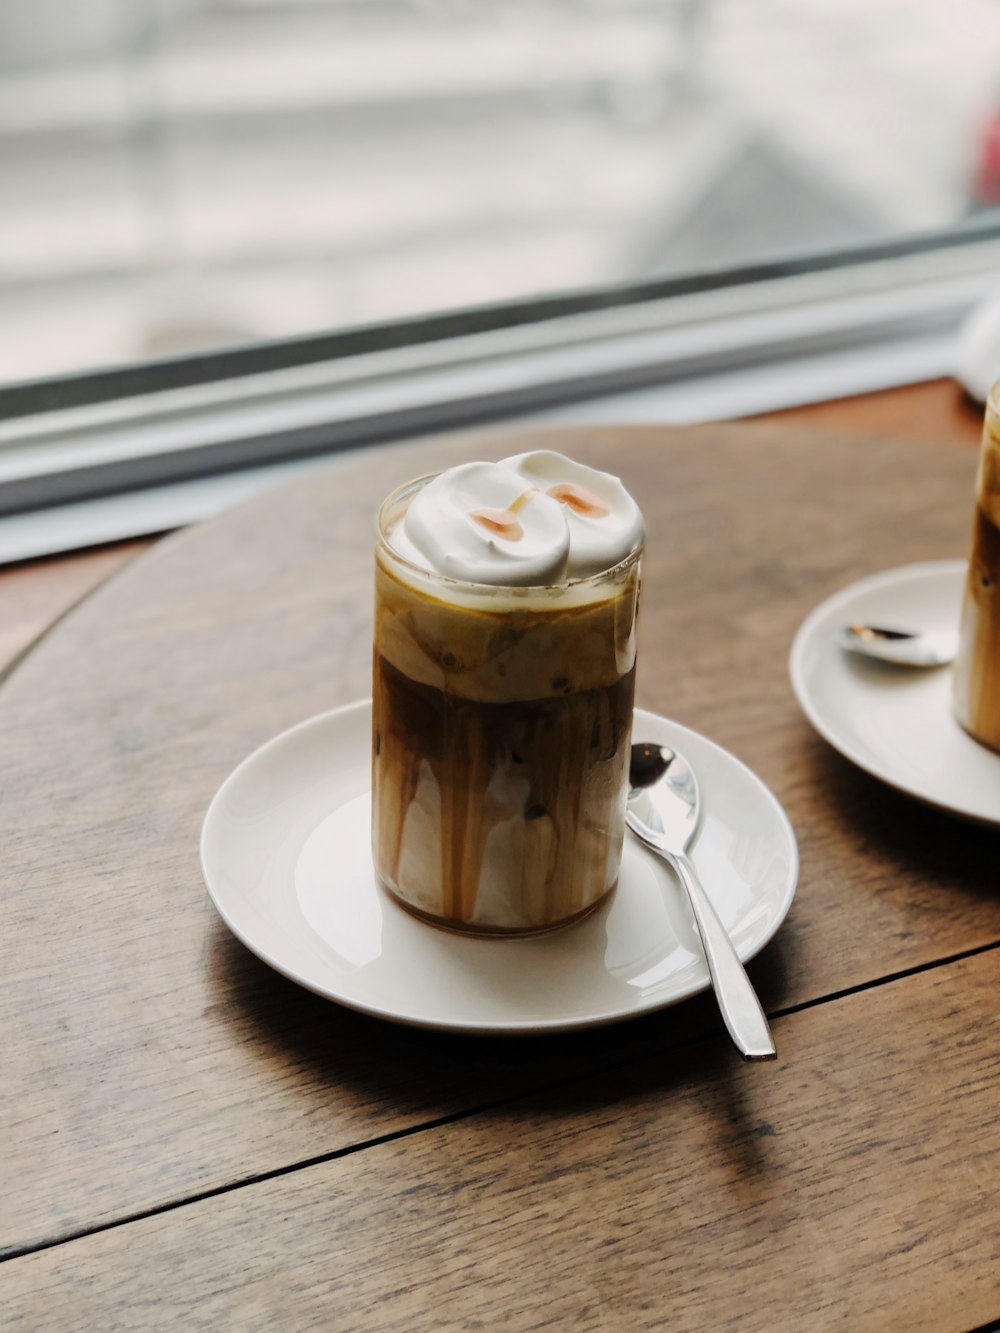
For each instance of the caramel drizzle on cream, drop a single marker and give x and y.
(501, 522)
(579, 499)
(504, 522)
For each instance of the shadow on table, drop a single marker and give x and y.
(929, 849)
(435, 1074)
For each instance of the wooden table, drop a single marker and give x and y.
(192, 1141)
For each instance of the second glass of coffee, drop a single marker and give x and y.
(977, 669)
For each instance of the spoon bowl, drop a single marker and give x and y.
(901, 647)
(664, 811)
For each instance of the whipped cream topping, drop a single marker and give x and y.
(604, 522)
(534, 519)
(482, 523)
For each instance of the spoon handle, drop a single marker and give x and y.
(736, 997)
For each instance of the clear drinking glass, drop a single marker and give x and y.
(501, 731)
(977, 669)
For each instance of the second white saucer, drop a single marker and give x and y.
(895, 723)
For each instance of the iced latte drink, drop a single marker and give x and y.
(977, 670)
(504, 674)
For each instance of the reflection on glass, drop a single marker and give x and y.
(184, 174)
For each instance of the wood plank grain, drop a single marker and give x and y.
(33, 595)
(149, 1057)
(937, 410)
(850, 1186)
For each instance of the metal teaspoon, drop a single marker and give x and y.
(901, 647)
(663, 812)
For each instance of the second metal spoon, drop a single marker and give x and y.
(663, 812)
(900, 646)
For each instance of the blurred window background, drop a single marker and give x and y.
(183, 175)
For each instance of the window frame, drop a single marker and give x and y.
(90, 386)
(102, 436)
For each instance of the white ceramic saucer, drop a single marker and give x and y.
(285, 854)
(896, 723)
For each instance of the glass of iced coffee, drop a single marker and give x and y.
(977, 669)
(504, 674)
